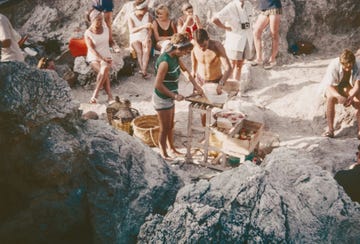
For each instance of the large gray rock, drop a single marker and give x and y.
(282, 202)
(65, 180)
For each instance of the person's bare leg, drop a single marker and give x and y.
(108, 21)
(146, 56)
(137, 46)
(165, 127)
(356, 105)
(237, 66)
(330, 113)
(96, 66)
(171, 137)
(259, 27)
(274, 30)
(106, 82)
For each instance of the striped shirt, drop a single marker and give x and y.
(171, 80)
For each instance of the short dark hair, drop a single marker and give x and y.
(200, 35)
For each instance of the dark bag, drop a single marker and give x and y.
(302, 47)
(129, 67)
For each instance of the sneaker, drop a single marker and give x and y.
(256, 63)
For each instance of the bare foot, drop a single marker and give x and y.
(146, 76)
(177, 153)
(93, 100)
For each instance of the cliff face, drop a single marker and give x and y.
(67, 180)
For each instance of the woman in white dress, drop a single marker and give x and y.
(140, 28)
(98, 54)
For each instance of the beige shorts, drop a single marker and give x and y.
(236, 55)
(273, 11)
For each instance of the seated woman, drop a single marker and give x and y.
(163, 26)
(189, 22)
(167, 69)
(140, 29)
(98, 55)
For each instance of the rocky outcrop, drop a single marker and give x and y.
(281, 202)
(330, 24)
(67, 180)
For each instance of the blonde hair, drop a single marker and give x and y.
(162, 7)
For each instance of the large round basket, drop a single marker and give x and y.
(147, 128)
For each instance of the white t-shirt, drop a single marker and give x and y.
(12, 53)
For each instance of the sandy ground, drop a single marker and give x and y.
(285, 99)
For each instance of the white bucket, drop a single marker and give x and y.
(211, 94)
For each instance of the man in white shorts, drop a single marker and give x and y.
(235, 19)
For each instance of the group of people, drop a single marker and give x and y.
(212, 62)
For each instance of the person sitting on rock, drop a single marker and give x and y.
(188, 22)
(140, 28)
(163, 26)
(350, 179)
(341, 84)
(106, 6)
(98, 55)
(10, 50)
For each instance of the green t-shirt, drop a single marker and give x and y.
(172, 76)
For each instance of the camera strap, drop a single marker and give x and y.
(239, 11)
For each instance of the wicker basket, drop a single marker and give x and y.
(147, 129)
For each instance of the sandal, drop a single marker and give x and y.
(93, 100)
(329, 134)
(256, 63)
(270, 65)
(146, 76)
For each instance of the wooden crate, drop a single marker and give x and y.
(230, 144)
(238, 147)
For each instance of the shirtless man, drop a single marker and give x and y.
(208, 58)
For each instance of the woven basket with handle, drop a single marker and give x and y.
(147, 129)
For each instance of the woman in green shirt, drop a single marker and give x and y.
(167, 69)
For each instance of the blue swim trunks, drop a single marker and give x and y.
(104, 5)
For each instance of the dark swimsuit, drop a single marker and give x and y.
(168, 32)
